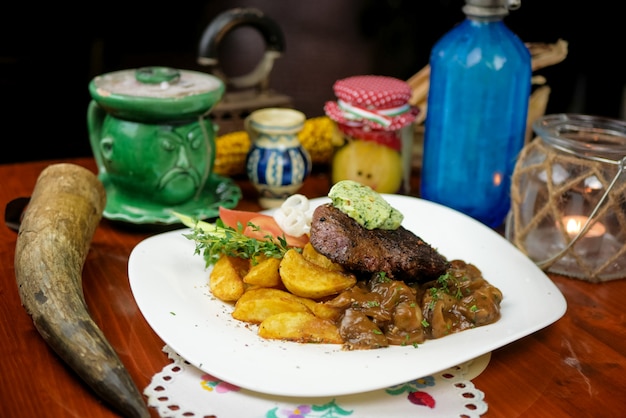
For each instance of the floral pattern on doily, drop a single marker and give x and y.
(181, 390)
(211, 383)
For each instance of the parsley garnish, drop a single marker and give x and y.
(445, 282)
(381, 277)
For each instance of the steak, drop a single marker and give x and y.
(399, 253)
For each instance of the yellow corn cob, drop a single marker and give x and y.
(317, 138)
(231, 148)
(230, 153)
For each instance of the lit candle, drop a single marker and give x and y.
(574, 224)
(591, 241)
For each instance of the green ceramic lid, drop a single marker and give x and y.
(156, 94)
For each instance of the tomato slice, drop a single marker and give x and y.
(266, 226)
(231, 217)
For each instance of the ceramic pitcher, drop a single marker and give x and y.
(277, 163)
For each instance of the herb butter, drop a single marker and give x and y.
(364, 205)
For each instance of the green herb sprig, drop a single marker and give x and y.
(215, 239)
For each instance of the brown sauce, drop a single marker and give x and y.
(379, 312)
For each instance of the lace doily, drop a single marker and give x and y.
(181, 390)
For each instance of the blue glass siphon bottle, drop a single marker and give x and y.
(480, 79)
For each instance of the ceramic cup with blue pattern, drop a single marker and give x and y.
(277, 163)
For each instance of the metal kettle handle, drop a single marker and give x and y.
(226, 22)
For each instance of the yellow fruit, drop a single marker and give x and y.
(369, 163)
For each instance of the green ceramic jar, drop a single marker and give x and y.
(154, 143)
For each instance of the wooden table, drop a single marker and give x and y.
(575, 367)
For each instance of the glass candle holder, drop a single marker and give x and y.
(568, 197)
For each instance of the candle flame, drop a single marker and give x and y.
(573, 226)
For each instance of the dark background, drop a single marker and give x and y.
(50, 52)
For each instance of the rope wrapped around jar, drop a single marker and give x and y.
(564, 179)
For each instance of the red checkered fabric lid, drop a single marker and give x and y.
(376, 101)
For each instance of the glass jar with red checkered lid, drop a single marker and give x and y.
(374, 122)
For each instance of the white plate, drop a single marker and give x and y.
(170, 286)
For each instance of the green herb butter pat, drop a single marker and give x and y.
(364, 205)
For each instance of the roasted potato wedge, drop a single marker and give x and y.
(304, 278)
(310, 254)
(321, 310)
(264, 273)
(303, 327)
(226, 278)
(255, 305)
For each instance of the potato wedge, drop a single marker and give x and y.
(304, 278)
(255, 305)
(264, 273)
(309, 253)
(226, 278)
(266, 293)
(300, 327)
(321, 310)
